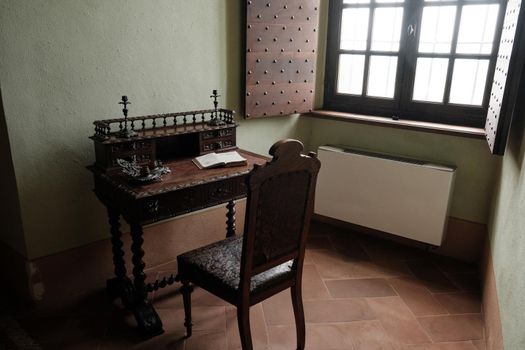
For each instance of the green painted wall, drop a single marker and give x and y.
(65, 63)
(507, 236)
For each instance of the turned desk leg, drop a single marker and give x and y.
(147, 318)
(230, 223)
(120, 285)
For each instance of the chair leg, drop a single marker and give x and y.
(243, 319)
(298, 310)
(186, 290)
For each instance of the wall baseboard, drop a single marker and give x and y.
(491, 311)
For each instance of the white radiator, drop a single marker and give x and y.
(404, 197)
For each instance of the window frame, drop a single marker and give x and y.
(402, 105)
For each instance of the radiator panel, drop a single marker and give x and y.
(404, 197)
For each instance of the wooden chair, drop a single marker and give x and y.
(268, 258)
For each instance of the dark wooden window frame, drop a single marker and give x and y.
(402, 105)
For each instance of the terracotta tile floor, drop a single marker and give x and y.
(360, 293)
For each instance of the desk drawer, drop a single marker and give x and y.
(217, 145)
(213, 134)
(168, 205)
(217, 140)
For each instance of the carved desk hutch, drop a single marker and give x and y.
(174, 139)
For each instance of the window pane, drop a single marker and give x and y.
(387, 28)
(350, 75)
(477, 27)
(382, 76)
(437, 26)
(431, 75)
(389, 1)
(356, 1)
(354, 28)
(468, 81)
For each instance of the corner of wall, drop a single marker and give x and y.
(13, 247)
(12, 233)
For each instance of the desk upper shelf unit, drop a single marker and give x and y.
(163, 137)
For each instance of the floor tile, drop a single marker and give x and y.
(170, 297)
(257, 325)
(205, 318)
(443, 346)
(170, 266)
(359, 288)
(383, 268)
(399, 323)
(313, 286)
(207, 341)
(166, 341)
(331, 264)
(460, 303)
(278, 309)
(450, 265)
(349, 246)
(345, 264)
(453, 327)
(380, 249)
(318, 242)
(363, 335)
(343, 310)
(308, 257)
(282, 337)
(479, 344)
(466, 281)
(433, 278)
(418, 298)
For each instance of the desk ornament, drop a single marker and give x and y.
(216, 121)
(145, 173)
(126, 133)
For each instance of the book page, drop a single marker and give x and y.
(230, 157)
(207, 160)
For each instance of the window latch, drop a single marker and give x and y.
(411, 30)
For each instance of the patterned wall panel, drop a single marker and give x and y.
(281, 53)
(505, 86)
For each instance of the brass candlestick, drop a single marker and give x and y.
(125, 132)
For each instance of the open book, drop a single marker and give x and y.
(214, 160)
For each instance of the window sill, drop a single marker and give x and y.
(463, 131)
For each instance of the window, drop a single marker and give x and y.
(430, 60)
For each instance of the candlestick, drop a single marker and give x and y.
(125, 133)
(215, 121)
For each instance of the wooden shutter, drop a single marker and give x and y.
(508, 86)
(281, 55)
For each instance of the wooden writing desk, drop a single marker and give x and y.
(175, 139)
(186, 189)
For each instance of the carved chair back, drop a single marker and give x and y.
(279, 207)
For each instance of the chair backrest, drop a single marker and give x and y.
(279, 207)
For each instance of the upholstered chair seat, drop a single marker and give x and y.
(219, 264)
